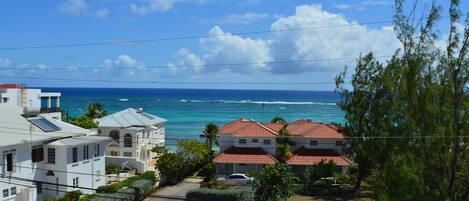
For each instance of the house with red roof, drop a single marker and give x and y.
(247, 145)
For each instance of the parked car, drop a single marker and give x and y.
(236, 179)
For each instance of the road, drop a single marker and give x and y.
(176, 192)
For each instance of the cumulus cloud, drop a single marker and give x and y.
(74, 7)
(267, 55)
(81, 7)
(4, 62)
(125, 63)
(237, 19)
(152, 6)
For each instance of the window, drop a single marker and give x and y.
(128, 154)
(339, 143)
(114, 153)
(267, 141)
(313, 142)
(13, 191)
(39, 187)
(75, 182)
(114, 134)
(5, 99)
(98, 131)
(51, 155)
(242, 141)
(86, 153)
(37, 154)
(255, 140)
(127, 140)
(96, 150)
(75, 154)
(9, 159)
(6, 193)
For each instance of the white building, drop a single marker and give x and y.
(43, 157)
(247, 145)
(33, 101)
(134, 134)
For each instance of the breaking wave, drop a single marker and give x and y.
(257, 102)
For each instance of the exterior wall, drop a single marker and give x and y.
(29, 99)
(25, 190)
(229, 141)
(143, 140)
(322, 143)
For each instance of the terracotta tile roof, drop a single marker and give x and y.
(247, 128)
(305, 156)
(244, 155)
(11, 86)
(306, 128)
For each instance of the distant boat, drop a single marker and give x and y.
(123, 99)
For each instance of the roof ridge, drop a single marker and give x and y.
(266, 127)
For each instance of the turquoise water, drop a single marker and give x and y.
(188, 110)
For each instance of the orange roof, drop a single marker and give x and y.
(305, 156)
(244, 155)
(247, 128)
(305, 128)
(11, 86)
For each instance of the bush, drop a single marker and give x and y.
(208, 194)
(171, 167)
(112, 169)
(144, 186)
(125, 194)
(149, 175)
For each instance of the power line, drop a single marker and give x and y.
(151, 40)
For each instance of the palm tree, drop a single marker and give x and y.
(95, 110)
(279, 120)
(210, 133)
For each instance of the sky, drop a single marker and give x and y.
(228, 44)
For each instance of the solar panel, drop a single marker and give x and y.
(148, 116)
(45, 125)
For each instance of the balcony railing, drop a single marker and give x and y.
(50, 110)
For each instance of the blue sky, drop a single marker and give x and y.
(39, 23)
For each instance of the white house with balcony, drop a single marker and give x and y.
(44, 158)
(33, 101)
(247, 145)
(134, 133)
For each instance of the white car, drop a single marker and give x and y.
(236, 179)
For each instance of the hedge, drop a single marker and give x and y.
(210, 194)
(125, 194)
(144, 186)
(149, 175)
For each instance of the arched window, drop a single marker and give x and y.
(114, 134)
(127, 140)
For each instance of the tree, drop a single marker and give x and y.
(407, 117)
(316, 172)
(195, 154)
(84, 122)
(210, 133)
(279, 120)
(171, 167)
(95, 110)
(274, 183)
(87, 119)
(159, 150)
(282, 149)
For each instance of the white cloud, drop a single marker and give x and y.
(152, 6)
(123, 63)
(41, 66)
(102, 13)
(245, 18)
(346, 41)
(74, 7)
(4, 62)
(362, 5)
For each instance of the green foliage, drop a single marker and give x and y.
(279, 120)
(112, 169)
(125, 194)
(112, 188)
(406, 116)
(171, 167)
(282, 149)
(159, 150)
(73, 195)
(210, 133)
(144, 187)
(318, 171)
(210, 194)
(196, 154)
(84, 122)
(274, 183)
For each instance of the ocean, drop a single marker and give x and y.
(188, 110)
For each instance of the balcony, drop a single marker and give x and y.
(50, 110)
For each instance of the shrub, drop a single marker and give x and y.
(208, 194)
(125, 194)
(144, 186)
(171, 167)
(73, 195)
(148, 175)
